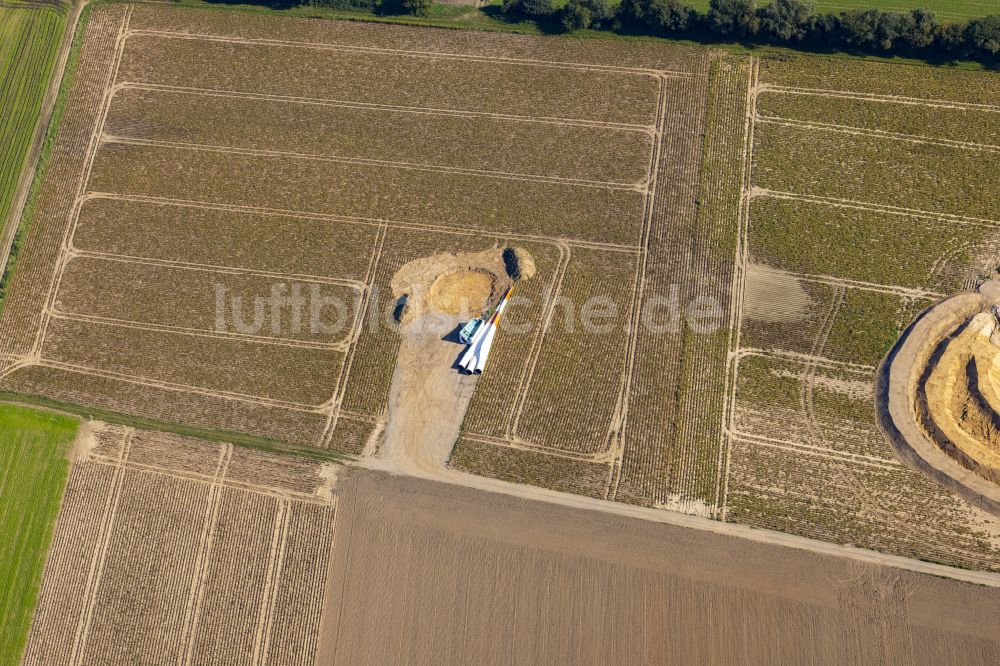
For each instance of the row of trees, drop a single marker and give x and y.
(787, 22)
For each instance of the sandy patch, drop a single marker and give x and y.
(772, 295)
(441, 283)
(86, 440)
(462, 292)
(428, 396)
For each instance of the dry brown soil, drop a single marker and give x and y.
(428, 397)
(425, 572)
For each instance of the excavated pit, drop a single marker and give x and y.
(938, 394)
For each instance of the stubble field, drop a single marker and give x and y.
(205, 150)
(173, 550)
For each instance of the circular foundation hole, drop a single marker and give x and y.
(462, 292)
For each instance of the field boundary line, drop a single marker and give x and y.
(369, 162)
(879, 134)
(615, 440)
(368, 221)
(192, 610)
(818, 451)
(101, 546)
(600, 457)
(875, 97)
(29, 168)
(75, 253)
(875, 207)
(269, 598)
(291, 343)
(700, 523)
(740, 260)
(837, 282)
(798, 357)
(84, 180)
(361, 317)
(431, 55)
(184, 475)
(172, 386)
(372, 106)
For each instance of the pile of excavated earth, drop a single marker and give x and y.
(939, 394)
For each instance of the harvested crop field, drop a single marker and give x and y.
(724, 250)
(220, 225)
(168, 548)
(872, 193)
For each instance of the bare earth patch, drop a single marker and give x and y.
(428, 397)
(462, 292)
(445, 574)
(773, 295)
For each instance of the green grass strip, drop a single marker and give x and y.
(34, 463)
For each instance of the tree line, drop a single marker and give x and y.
(783, 22)
(792, 23)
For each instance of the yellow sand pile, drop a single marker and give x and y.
(961, 397)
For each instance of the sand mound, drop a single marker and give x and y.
(462, 292)
(519, 263)
(958, 404)
(939, 394)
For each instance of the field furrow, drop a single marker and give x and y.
(708, 302)
(964, 125)
(570, 398)
(64, 583)
(482, 143)
(912, 252)
(392, 79)
(499, 392)
(235, 580)
(208, 301)
(885, 171)
(173, 405)
(39, 255)
(386, 193)
(641, 54)
(177, 576)
(298, 603)
(294, 374)
(818, 497)
(139, 605)
(189, 234)
(935, 85)
(532, 467)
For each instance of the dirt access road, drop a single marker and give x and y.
(425, 572)
(428, 398)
